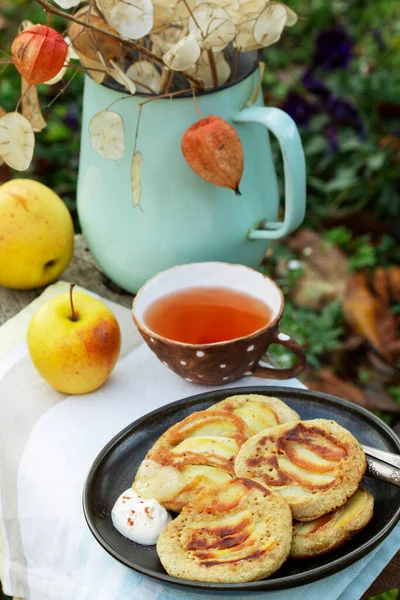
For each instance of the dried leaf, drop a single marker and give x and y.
(106, 130)
(311, 291)
(252, 6)
(94, 68)
(39, 53)
(136, 178)
(381, 284)
(394, 278)
(71, 50)
(325, 270)
(164, 41)
(166, 3)
(181, 13)
(67, 3)
(322, 256)
(253, 98)
(132, 19)
(24, 25)
(292, 18)
(203, 72)
(145, 76)
(270, 24)
(215, 25)
(106, 6)
(368, 316)
(231, 6)
(184, 54)
(326, 382)
(17, 141)
(30, 106)
(244, 33)
(213, 149)
(162, 17)
(382, 367)
(89, 43)
(58, 77)
(118, 74)
(202, 69)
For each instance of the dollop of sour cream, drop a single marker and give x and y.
(139, 519)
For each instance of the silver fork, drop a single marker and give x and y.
(383, 465)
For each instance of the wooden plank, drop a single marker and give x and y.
(83, 270)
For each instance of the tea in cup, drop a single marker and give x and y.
(212, 322)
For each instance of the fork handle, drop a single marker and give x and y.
(387, 457)
(382, 471)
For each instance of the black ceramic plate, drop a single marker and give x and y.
(114, 469)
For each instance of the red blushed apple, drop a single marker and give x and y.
(74, 341)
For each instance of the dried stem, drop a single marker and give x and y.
(3, 69)
(62, 90)
(128, 43)
(196, 105)
(236, 65)
(213, 67)
(169, 95)
(23, 94)
(170, 81)
(89, 12)
(137, 129)
(146, 102)
(185, 2)
(164, 80)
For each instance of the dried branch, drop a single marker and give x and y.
(213, 67)
(128, 43)
(186, 3)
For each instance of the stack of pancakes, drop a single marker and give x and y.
(239, 473)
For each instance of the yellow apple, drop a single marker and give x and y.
(74, 342)
(36, 235)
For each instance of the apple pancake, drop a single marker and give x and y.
(193, 454)
(334, 529)
(234, 532)
(315, 465)
(259, 412)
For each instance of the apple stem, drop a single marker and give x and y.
(74, 316)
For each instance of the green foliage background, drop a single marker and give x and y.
(359, 172)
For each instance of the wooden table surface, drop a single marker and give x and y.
(84, 271)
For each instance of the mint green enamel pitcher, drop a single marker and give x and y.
(181, 217)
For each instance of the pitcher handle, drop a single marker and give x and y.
(285, 130)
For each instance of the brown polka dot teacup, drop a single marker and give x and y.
(220, 362)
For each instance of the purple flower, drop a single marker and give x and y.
(332, 138)
(333, 49)
(377, 35)
(71, 117)
(298, 108)
(345, 113)
(315, 86)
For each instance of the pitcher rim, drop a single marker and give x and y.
(248, 73)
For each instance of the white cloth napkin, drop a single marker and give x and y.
(48, 442)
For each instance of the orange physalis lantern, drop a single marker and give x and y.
(39, 53)
(214, 151)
